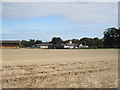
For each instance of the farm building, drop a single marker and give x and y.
(10, 44)
(48, 46)
(83, 46)
(43, 46)
(70, 45)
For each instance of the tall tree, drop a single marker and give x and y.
(111, 37)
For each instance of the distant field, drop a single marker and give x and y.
(60, 68)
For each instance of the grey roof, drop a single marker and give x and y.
(73, 44)
(47, 44)
(10, 41)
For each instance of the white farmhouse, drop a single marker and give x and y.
(83, 46)
(80, 46)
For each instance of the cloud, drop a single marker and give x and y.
(89, 17)
(0, 20)
(70, 12)
(0, 10)
(119, 14)
(60, 0)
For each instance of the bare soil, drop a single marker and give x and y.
(46, 68)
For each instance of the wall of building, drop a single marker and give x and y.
(9, 45)
(43, 46)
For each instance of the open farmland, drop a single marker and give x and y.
(53, 68)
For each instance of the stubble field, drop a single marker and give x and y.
(49, 68)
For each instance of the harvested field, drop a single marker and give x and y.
(45, 68)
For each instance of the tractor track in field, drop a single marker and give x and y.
(72, 75)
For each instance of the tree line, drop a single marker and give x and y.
(110, 40)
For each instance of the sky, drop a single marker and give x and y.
(68, 20)
(60, 0)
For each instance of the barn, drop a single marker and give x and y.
(10, 44)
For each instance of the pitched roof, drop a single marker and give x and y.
(43, 44)
(10, 41)
(73, 44)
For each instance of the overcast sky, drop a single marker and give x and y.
(44, 20)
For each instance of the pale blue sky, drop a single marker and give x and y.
(66, 20)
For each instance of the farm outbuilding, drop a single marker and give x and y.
(71, 45)
(43, 46)
(10, 44)
(48, 46)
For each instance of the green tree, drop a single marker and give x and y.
(38, 42)
(98, 43)
(31, 42)
(91, 42)
(111, 38)
(76, 41)
(57, 40)
(87, 41)
(28, 43)
(24, 43)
